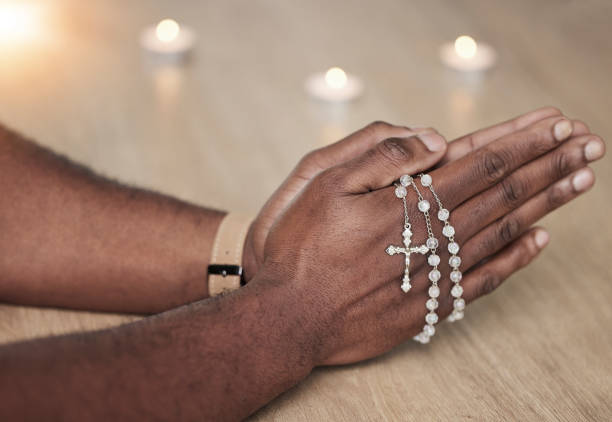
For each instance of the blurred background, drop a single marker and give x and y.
(224, 127)
(74, 76)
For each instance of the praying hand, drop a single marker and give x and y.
(316, 282)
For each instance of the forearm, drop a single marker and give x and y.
(71, 238)
(217, 359)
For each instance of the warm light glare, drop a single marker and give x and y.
(167, 30)
(335, 78)
(18, 21)
(466, 47)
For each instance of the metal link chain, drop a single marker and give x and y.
(425, 214)
(440, 206)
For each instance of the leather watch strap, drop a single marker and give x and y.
(225, 269)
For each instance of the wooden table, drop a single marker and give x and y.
(540, 348)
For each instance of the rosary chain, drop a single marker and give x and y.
(425, 214)
(455, 261)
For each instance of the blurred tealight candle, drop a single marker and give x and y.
(466, 55)
(168, 39)
(19, 22)
(335, 86)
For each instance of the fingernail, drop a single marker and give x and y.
(433, 141)
(562, 130)
(593, 150)
(582, 180)
(542, 238)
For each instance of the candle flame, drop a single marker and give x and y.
(465, 46)
(335, 78)
(167, 30)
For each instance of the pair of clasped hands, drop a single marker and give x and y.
(323, 234)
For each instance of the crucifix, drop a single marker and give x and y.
(407, 250)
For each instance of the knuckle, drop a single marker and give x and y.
(492, 166)
(393, 151)
(536, 140)
(491, 242)
(556, 195)
(526, 252)
(562, 164)
(518, 123)
(310, 159)
(471, 141)
(513, 191)
(428, 130)
(552, 110)
(490, 245)
(311, 164)
(509, 229)
(378, 127)
(489, 282)
(580, 125)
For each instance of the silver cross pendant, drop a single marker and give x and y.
(407, 251)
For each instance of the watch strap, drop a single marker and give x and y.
(225, 269)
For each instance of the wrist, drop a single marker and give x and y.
(288, 315)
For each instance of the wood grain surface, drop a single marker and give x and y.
(225, 128)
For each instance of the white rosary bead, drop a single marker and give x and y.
(405, 180)
(457, 291)
(424, 205)
(453, 248)
(432, 243)
(434, 291)
(456, 276)
(457, 315)
(434, 275)
(459, 304)
(448, 230)
(430, 330)
(422, 338)
(431, 304)
(443, 214)
(431, 318)
(433, 260)
(426, 180)
(401, 192)
(454, 261)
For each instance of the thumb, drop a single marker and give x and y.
(378, 167)
(359, 142)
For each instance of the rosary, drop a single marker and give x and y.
(430, 246)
